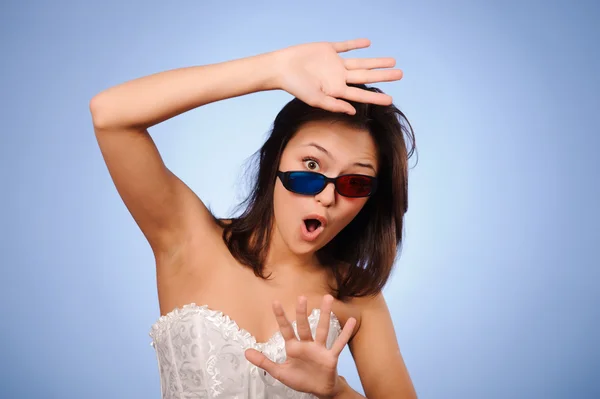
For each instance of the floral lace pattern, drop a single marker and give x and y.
(200, 354)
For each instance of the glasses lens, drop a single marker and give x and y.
(306, 182)
(355, 185)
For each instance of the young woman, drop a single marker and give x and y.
(318, 236)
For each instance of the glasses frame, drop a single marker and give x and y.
(285, 180)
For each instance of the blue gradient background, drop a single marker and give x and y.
(496, 292)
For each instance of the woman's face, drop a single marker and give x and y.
(333, 149)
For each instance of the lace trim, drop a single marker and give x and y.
(160, 327)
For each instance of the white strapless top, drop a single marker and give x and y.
(200, 354)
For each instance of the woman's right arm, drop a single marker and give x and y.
(164, 208)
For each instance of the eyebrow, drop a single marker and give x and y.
(323, 150)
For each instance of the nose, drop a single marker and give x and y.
(327, 196)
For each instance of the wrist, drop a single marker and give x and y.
(269, 66)
(341, 387)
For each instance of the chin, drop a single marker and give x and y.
(302, 248)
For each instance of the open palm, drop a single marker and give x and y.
(316, 74)
(310, 366)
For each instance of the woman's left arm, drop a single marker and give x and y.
(376, 353)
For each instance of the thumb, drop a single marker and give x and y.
(260, 360)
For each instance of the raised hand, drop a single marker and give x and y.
(316, 74)
(309, 366)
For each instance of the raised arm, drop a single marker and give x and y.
(165, 209)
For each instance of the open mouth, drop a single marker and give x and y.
(312, 224)
(313, 227)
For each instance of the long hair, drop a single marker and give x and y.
(362, 255)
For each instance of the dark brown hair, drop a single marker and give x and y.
(361, 256)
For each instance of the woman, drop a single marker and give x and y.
(320, 230)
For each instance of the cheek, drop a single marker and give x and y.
(283, 206)
(278, 201)
(349, 208)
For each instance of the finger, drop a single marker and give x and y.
(366, 96)
(335, 105)
(344, 337)
(348, 45)
(302, 325)
(287, 331)
(372, 76)
(324, 320)
(318, 99)
(369, 63)
(263, 362)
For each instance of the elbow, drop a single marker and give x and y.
(98, 112)
(108, 114)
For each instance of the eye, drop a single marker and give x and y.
(311, 164)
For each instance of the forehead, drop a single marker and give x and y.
(344, 142)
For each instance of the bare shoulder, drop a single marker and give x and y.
(374, 347)
(201, 247)
(186, 272)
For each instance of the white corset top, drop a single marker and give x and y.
(200, 354)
